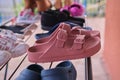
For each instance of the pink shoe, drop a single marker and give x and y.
(65, 46)
(88, 33)
(53, 35)
(45, 42)
(63, 25)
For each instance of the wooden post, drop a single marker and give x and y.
(111, 53)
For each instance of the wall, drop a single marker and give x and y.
(111, 53)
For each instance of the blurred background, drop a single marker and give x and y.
(11, 8)
(95, 11)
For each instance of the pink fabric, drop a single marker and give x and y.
(75, 9)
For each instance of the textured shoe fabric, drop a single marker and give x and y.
(32, 72)
(63, 71)
(27, 17)
(66, 44)
(8, 33)
(4, 57)
(52, 17)
(12, 46)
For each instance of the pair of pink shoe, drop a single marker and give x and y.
(65, 44)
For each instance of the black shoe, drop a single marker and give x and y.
(52, 17)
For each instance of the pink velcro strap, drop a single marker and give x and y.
(61, 38)
(79, 40)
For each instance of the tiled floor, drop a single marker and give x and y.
(99, 72)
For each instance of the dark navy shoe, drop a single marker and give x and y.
(63, 71)
(32, 72)
(42, 35)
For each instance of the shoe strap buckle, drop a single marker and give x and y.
(61, 38)
(78, 42)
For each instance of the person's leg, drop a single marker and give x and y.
(43, 5)
(61, 3)
(30, 4)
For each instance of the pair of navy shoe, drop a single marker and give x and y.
(63, 71)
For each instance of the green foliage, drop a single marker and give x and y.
(95, 7)
(18, 7)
